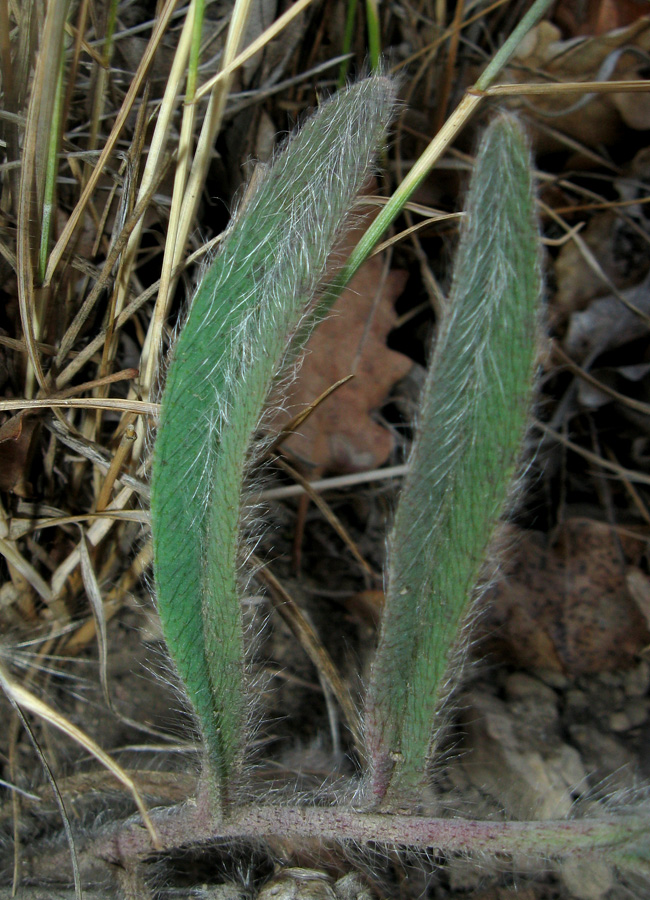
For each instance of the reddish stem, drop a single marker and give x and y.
(191, 825)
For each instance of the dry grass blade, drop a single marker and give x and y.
(104, 381)
(605, 204)
(78, 45)
(32, 181)
(569, 87)
(450, 62)
(96, 533)
(59, 801)
(21, 527)
(127, 313)
(211, 125)
(330, 516)
(135, 406)
(114, 600)
(412, 229)
(430, 49)
(14, 425)
(94, 594)
(313, 647)
(161, 308)
(28, 701)
(279, 25)
(121, 454)
(156, 150)
(21, 346)
(97, 456)
(125, 110)
(577, 370)
(638, 477)
(339, 481)
(187, 188)
(99, 98)
(14, 558)
(566, 237)
(130, 227)
(595, 266)
(304, 414)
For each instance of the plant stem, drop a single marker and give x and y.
(504, 54)
(618, 838)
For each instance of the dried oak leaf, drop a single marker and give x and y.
(564, 604)
(340, 435)
(607, 324)
(620, 254)
(597, 17)
(593, 120)
(16, 451)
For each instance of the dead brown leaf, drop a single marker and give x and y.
(610, 239)
(613, 56)
(607, 324)
(16, 452)
(564, 604)
(598, 16)
(341, 436)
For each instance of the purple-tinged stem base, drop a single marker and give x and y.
(191, 826)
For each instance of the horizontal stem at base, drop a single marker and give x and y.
(190, 825)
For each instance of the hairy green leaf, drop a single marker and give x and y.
(247, 322)
(474, 412)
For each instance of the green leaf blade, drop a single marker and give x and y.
(246, 326)
(473, 418)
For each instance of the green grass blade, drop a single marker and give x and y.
(373, 27)
(246, 313)
(348, 37)
(473, 417)
(51, 169)
(440, 143)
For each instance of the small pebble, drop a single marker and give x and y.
(637, 711)
(576, 701)
(587, 879)
(552, 678)
(520, 686)
(619, 722)
(633, 714)
(637, 680)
